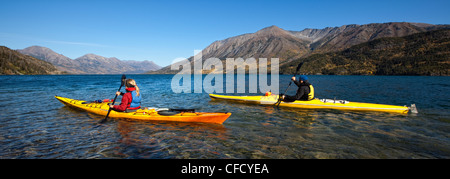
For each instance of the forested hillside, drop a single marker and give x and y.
(426, 53)
(15, 63)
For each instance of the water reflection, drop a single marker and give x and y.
(157, 139)
(154, 139)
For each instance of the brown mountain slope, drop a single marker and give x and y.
(426, 53)
(349, 35)
(266, 43)
(15, 63)
(60, 61)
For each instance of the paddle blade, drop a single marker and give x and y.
(298, 67)
(123, 80)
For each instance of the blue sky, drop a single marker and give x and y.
(164, 30)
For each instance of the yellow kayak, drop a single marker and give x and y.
(318, 103)
(150, 114)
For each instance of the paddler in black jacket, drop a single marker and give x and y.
(305, 91)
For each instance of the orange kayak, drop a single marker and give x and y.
(148, 114)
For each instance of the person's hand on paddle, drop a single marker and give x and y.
(117, 93)
(293, 78)
(120, 87)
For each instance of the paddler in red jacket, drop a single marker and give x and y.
(131, 100)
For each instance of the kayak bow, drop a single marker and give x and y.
(319, 103)
(149, 114)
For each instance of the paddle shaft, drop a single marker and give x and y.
(107, 114)
(113, 102)
(285, 91)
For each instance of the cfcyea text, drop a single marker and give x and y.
(246, 168)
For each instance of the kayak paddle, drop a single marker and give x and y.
(279, 96)
(121, 84)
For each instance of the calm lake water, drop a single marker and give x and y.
(33, 124)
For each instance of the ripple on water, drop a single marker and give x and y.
(35, 125)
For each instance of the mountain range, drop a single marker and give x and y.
(377, 48)
(89, 63)
(274, 42)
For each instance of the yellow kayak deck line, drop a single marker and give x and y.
(318, 103)
(149, 114)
